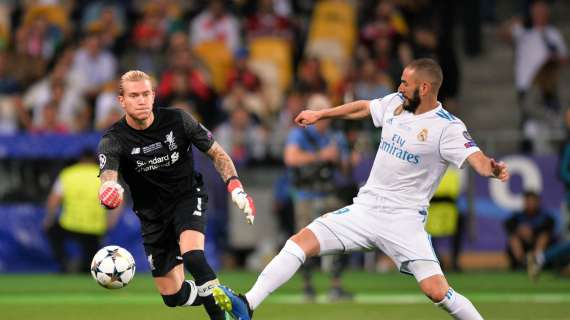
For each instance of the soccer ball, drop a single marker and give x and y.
(113, 267)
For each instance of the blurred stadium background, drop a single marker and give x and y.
(245, 68)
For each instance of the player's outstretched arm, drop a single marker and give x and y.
(110, 191)
(222, 161)
(225, 167)
(353, 110)
(488, 167)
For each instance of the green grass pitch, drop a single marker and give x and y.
(378, 296)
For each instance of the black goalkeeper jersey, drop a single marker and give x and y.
(156, 163)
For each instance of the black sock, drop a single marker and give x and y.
(213, 309)
(181, 297)
(195, 262)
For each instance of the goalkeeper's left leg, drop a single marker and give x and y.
(206, 281)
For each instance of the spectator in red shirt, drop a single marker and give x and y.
(266, 22)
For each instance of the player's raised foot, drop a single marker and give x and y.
(533, 268)
(234, 304)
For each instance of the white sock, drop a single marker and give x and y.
(277, 272)
(458, 306)
(193, 294)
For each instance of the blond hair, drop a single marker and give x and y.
(133, 75)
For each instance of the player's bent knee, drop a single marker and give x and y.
(170, 300)
(307, 241)
(185, 296)
(435, 294)
(430, 278)
(435, 288)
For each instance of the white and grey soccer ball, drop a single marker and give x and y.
(113, 267)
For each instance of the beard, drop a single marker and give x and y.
(411, 105)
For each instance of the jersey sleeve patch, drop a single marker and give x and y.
(109, 153)
(457, 144)
(470, 141)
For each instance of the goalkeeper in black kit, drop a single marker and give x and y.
(152, 151)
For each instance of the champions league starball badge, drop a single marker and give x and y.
(102, 160)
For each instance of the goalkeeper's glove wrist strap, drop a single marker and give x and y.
(233, 183)
(230, 180)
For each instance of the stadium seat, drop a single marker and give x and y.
(332, 37)
(272, 57)
(54, 14)
(218, 59)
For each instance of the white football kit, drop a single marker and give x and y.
(390, 210)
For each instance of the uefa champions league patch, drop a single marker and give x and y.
(470, 144)
(102, 161)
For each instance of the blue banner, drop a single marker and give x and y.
(494, 201)
(24, 246)
(47, 146)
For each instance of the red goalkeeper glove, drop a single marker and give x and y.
(242, 200)
(111, 194)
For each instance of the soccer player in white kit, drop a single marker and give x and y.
(419, 140)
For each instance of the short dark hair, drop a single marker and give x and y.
(430, 69)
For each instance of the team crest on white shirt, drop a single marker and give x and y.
(422, 136)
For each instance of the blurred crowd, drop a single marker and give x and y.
(245, 69)
(242, 68)
(539, 52)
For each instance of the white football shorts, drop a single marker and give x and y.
(399, 233)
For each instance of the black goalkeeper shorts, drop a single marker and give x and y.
(160, 237)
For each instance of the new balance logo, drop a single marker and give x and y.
(446, 115)
(207, 288)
